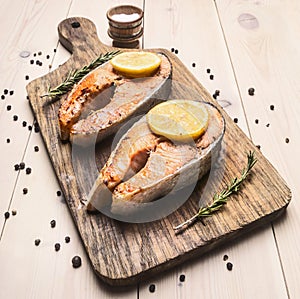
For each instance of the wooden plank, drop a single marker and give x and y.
(26, 265)
(185, 29)
(98, 16)
(20, 40)
(261, 206)
(13, 69)
(34, 275)
(263, 42)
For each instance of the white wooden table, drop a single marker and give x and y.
(245, 44)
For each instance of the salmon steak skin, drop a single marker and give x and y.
(130, 97)
(145, 166)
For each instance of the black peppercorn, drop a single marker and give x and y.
(3, 97)
(26, 77)
(216, 94)
(28, 170)
(37, 242)
(256, 121)
(152, 288)
(22, 165)
(235, 120)
(211, 77)
(172, 49)
(251, 91)
(225, 257)
(25, 190)
(67, 239)
(24, 123)
(17, 167)
(31, 61)
(5, 91)
(182, 278)
(8, 108)
(272, 107)
(48, 56)
(7, 140)
(208, 71)
(193, 64)
(39, 53)
(176, 51)
(29, 128)
(15, 117)
(36, 129)
(36, 148)
(58, 193)
(287, 140)
(76, 261)
(14, 212)
(57, 246)
(6, 215)
(229, 266)
(52, 223)
(11, 92)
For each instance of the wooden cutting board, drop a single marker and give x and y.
(123, 253)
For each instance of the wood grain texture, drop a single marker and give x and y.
(19, 34)
(263, 38)
(185, 30)
(37, 271)
(122, 253)
(194, 28)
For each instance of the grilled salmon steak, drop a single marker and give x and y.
(131, 97)
(145, 166)
(82, 94)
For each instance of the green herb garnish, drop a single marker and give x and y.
(220, 199)
(76, 75)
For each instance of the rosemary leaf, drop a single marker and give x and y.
(76, 75)
(220, 199)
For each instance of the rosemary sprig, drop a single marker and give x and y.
(220, 199)
(76, 75)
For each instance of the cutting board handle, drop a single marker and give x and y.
(77, 34)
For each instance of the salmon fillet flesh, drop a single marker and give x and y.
(144, 166)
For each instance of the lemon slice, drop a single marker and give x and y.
(136, 64)
(179, 120)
